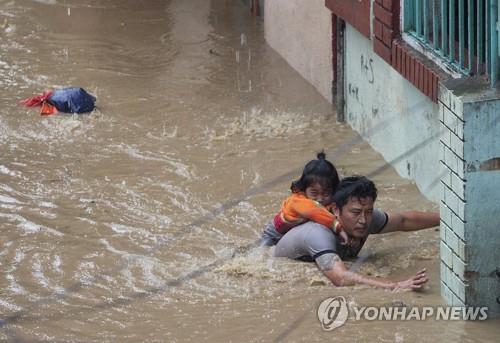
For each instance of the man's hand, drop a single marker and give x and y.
(413, 283)
(334, 269)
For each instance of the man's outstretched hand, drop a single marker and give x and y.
(413, 283)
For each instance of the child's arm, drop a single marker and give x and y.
(314, 211)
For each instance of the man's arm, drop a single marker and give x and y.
(410, 221)
(334, 269)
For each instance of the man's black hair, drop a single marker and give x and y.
(354, 187)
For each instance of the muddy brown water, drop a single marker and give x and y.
(135, 223)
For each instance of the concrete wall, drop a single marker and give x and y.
(301, 32)
(392, 115)
(470, 239)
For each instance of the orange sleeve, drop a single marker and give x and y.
(298, 207)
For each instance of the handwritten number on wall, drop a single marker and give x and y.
(354, 91)
(367, 68)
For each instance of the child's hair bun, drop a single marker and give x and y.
(321, 155)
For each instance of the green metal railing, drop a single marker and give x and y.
(463, 33)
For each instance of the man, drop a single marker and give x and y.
(354, 201)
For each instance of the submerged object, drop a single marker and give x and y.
(68, 100)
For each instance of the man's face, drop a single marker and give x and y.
(356, 216)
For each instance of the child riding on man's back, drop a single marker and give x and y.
(310, 200)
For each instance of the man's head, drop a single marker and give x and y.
(354, 200)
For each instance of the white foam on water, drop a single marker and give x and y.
(179, 168)
(19, 256)
(8, 200)
(37, 271)
(130, 281)
(110, 248)
(138, 207)
(257, 179)
(6, 188)
(85, 270)
(10, 28)
(48, 215)
(124, 229)
(86, 220)
(13, 45)
(150, 268)
(5, 251)
(6, 171)
(148, 271)
(12, 208)
(258, 124)
(182, 199)
(7, 14)
(242, 217)
(14, 287)
(28, 226)
(9, 306)
(47, 204)
(249, 266)
(70, 129)
(56, 264)
(12, 266)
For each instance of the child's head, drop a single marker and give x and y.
(319, 180)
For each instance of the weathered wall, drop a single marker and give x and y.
(301, 32)
(395, 117)
(470, 239)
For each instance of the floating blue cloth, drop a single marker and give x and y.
(72, 100)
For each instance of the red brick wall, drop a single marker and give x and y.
(355, 12)
(385, 27)
(415, 69)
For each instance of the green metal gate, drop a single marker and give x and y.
(463, 33)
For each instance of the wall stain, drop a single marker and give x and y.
(489, 165)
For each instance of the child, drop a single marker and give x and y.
(310, 200)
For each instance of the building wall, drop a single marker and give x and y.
(392, 115)
(302, 35)
(470, 240)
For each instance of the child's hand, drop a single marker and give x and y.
(344, 238)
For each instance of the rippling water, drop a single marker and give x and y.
(136, 222)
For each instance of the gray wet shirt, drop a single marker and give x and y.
(311, 240)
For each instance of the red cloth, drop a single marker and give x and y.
(36, 100)
(47, 109)
(41, 100)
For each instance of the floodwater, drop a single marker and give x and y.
(136, 223)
